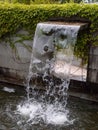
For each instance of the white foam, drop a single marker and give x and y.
(10, 90)
(28, 109)
(54, 116)
(48, 113)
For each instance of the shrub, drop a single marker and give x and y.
(17, 16)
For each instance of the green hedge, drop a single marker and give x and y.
(15, 16)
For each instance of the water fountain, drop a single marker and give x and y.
(43, 104)
(53, 46)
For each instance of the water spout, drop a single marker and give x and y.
(53, 45)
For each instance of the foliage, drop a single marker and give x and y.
(70, 1)
(16, 16)
(32, 1)
(44, 1)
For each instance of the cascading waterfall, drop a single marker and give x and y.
(47, 82)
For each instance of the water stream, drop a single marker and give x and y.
(44, 105)
(49, 106)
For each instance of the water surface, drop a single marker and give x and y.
(82, 115)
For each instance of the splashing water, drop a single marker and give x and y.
(38, 112)
(47, 107)
(48, 104)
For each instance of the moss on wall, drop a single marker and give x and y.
(15, 16)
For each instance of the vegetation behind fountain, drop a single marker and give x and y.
(26, 18)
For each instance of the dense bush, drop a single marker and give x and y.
(15, 16)
(44, 1)
(34, 1)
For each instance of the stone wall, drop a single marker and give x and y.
(92, 75)
(15, 59)
(15, 56)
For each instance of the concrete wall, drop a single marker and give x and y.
(92, 75)
(15, 61)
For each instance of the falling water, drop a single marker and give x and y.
(49, 73)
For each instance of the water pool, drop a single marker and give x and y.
(82, 115)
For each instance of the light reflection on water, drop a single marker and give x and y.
(84, 114)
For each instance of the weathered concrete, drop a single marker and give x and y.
(92, 75)
(14, 62)
(79, 89)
